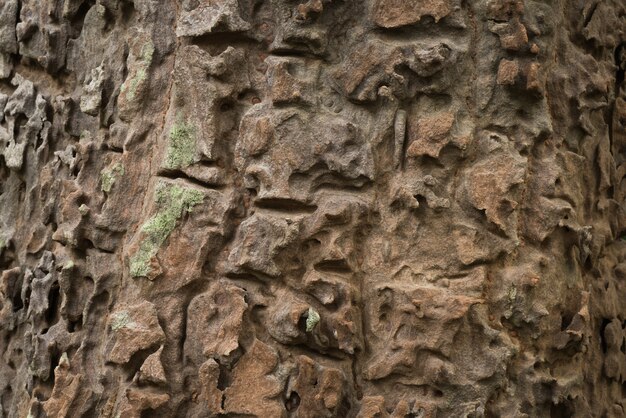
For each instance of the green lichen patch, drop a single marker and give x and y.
(512, 293)
(69, 239)
(312, 319)
(108, 176)
(120, 320)
(181, 149)
(134, 82)
(139, 72)
(147, 53)
(173, 202)
(83, 209)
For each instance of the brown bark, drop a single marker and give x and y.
(322, 208)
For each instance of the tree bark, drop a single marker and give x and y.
(322, 208)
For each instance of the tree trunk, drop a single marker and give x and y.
(322, 208)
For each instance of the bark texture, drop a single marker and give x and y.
(322, 208)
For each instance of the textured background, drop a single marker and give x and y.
(330, 208)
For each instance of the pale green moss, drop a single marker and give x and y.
(140, 262)
(182, 146)
(140, 77)
(147, 53)
(120, 320)
(69, 238)
(512, 293)
(312, 319)
(69, 265)
(83, 209)
(141, 73)
(108, 176)
(173, 202)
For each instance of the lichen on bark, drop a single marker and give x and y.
(172, 203)
(181, 150)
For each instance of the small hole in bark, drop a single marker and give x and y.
(603, 343)
(53, 304)
(54, 362)
(128, 11)
(150, 413)
(38, 142)
(226, 107)
(136, 361)
(292, 402)
(17, 301)
(565, 321)
(560, 411)
(610, 191)
(302, 321)
(73, 326)
(223, 381)
(336, 266)
(311, 244)
(620, 56)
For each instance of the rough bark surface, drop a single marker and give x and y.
(322, 208)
